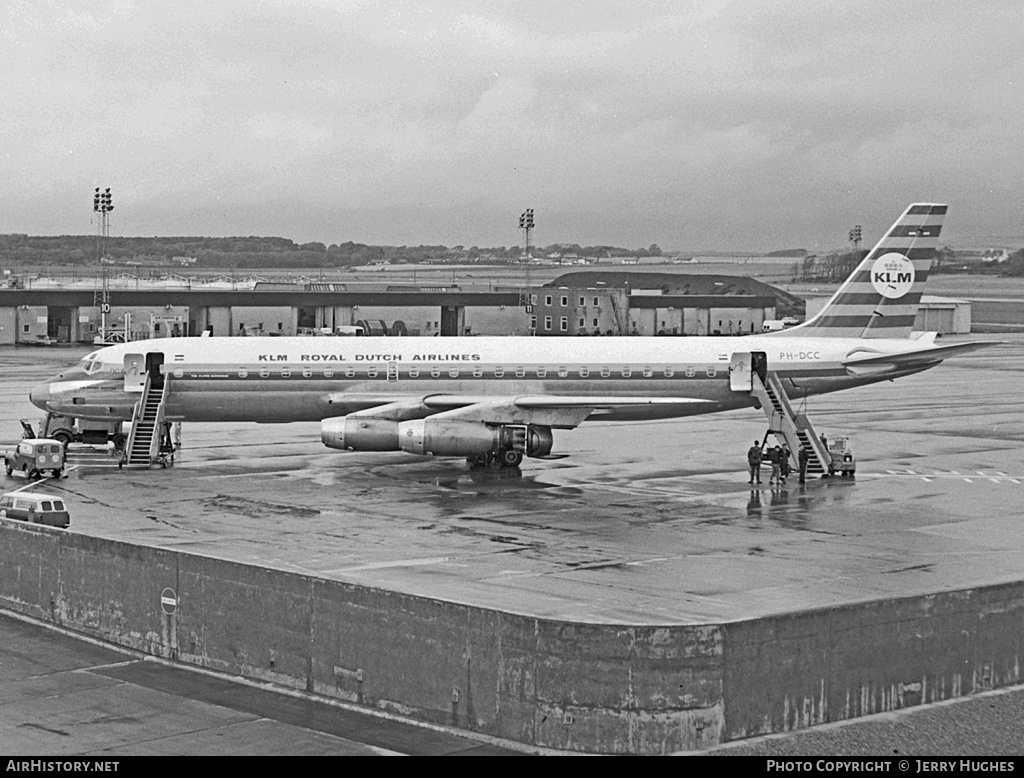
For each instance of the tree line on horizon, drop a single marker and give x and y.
(259, 252)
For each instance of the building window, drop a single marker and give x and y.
(547, 322)
(565, 300)
(533, 299)
(280, 325)
(533, 322)
(595, 302)
(583, 301)
(547, 300)
(583, 322)
(564, 323)
(595, 322)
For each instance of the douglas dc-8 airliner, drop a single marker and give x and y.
(499, 398)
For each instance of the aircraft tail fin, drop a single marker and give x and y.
(881, 297)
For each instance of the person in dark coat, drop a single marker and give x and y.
(803, 457)
(785, 463)
(754, 462)
(775, 457)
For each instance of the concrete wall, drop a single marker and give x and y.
(33, 323)
(584, 687)
(8, 326)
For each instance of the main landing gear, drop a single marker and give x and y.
(507, 458)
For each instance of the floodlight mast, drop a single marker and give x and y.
(855, 236)
(102, 203)
(526, 225)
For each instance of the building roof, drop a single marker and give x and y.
(669, 283)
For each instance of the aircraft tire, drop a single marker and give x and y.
(510, 458)
(63, 437)
(34, 474)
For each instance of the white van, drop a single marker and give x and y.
(35, 508)
(772, 325)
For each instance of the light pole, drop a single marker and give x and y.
(526, 225)
(855, 238)
(102, 203)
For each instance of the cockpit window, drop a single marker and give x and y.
(92, 365)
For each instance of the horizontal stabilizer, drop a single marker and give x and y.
(867, 362)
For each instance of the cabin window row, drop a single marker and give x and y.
(498, 371)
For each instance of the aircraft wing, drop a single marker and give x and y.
(564, 411)
(548, 401)
(866, 363)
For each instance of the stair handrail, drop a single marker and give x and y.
(154, 443)
(801, 421)
(788, 419)
(127, 450)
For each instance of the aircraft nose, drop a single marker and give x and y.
(39, 395)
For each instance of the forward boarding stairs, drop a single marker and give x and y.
(795, 428)
(144, 447)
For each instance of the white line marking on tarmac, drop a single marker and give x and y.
(996, 477)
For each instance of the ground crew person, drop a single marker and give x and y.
(803, 457)
(775, 457)
(785, 462)
(754, 461)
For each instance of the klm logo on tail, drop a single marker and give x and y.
(881, 297)
(892, 275)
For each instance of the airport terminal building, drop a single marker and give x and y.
(584, 303)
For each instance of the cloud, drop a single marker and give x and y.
(667, 122)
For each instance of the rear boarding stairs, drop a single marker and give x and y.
(794, 428)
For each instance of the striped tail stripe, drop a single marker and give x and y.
(881, 297)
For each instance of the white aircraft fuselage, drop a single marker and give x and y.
(312, 378)
(500, 398)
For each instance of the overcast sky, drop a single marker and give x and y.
(718, 124)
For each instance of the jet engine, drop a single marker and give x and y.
(360, 433)
(452, 437)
